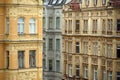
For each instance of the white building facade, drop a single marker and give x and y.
(52, 47)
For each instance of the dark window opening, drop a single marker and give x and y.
(77, 47)
(7, 59)
(118, 52)
(77, 25)
(77, 70)
(118, 75)
(118, 25)
(32, 56)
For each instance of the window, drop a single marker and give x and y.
(77, 25)
(20, 25)
(118, 75)
(95, 74)
(110, 24)
(44, 63)
(118, 52)
(57, 44)
(77, 47)
(85, 48)
(32, 25)
(103, 75)
(85, 27)
(44, 45)
(70, 70)
(32, 58)
(109, 50)
(86, 72)
(50, 22)
(50, 65)
(103, 2)
(94, 26)
(44, 22)
(118, 25)
(7, 25)
(80, 1)
(103, 26)
(21, 59)
(50, 44)
(95, 2)
(70, 25)
(57, 22)
(95, 48)
(77, 71)
(7, 59)
(58, 65)
(103, 50)
(87, 2)
(109, 75)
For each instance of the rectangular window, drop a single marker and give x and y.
(103, 50)
(109, 50)
(103, 2)
(118, 75)
(44, 63)
(50, 23)
(57, 44)
(32, 58)
(20, 25)
(110, 24)
(58, 65)
(95, 74)
(77, 47)
(7, 25)
(21, 59)
(7, 59)
(58, 23)
(70, 25)
(94, 30)
(95, 48)
(50, 44)
(118, 25)
(95, 2)
(104, 75)
(50, 65)
(85, 48)
(32, 25)
(77, 70)
(77, 25)
(87, 2)
(103, 26)
(109, 75)
(118, 51)
(44, 22)
(85, 27)
(86, 72)
(70, 70)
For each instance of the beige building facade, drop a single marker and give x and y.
(91, 40)
(21, 40)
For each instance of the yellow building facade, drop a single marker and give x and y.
(91, 40)
(21, 40)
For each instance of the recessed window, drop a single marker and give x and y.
(95, 74)
(70, 70)
(109, 75)
(77, 47)
(87, 2)
(50, 24)
(20, 25)
(77, 25)
(50, 65)
(21, 59)
(95, 2)
(118, 25)
(50, 44)
(7, 59)
(103, 2)
(32, 58)
(44, 22)
(7, 25)
(86, 72)
(58, 65)
(118, 52)
(77, 70)
(57, 44)
(32, 26)
(57, 22)
(95, 26)
(85, 28)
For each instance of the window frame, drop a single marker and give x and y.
(21, 25)
(32, 26)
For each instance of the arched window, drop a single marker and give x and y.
(32, 25)
(20, 25)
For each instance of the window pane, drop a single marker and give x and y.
(58, 23)
(32, 61)
(50, 65)
(57, 44)
(21, 25)
(21, 59)
(7, 25)
(32, 25)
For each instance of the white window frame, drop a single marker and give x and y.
(104, 75)
(20, 25)
(70, 70)
(86, 72)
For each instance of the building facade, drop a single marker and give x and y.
(91, 40)
(21, 40)
(52, 17)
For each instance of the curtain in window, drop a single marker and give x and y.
(32, 25)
